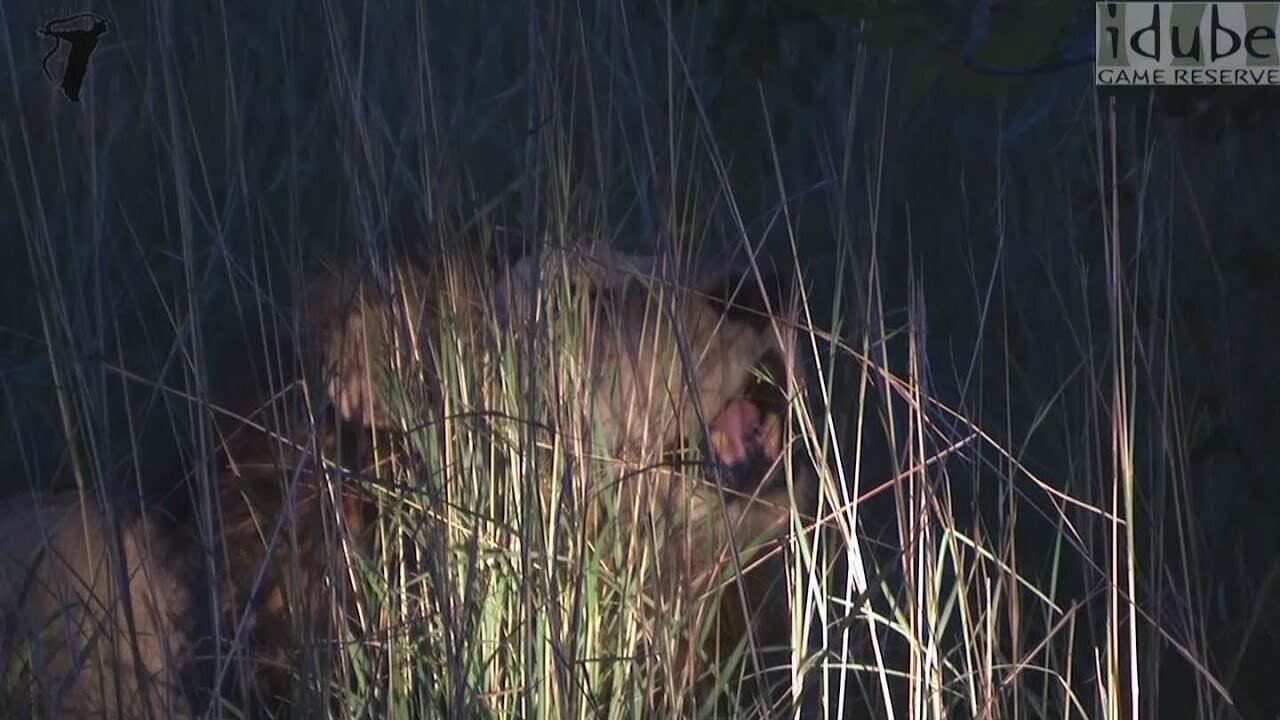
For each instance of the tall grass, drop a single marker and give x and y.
(1005, 523)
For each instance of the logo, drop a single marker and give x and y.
(1187, 43)
(81, 42)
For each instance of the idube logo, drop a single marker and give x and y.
(1187, 43)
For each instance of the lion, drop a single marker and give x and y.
(663, 357)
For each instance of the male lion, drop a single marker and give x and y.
(661, 358)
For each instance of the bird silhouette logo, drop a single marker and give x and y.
(83, 42)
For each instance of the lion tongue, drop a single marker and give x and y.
(745, 442)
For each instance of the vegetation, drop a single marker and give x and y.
(1040, 402)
